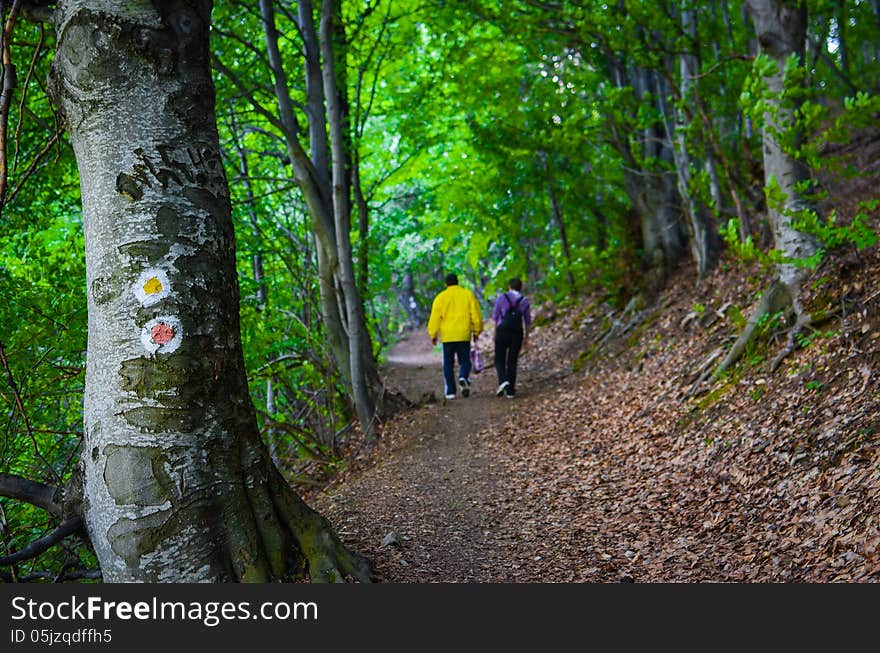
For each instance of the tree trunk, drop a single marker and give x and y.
(843, 36)
(651, 194)
(311, 172)
(323, 176)
(363, 214)
(700, 225)
(556, 213)
(332, 42)
(179, 486)
(408, 299)
(781, 31)
(257, 256)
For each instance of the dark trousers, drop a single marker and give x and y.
(463, 351)
(507, 346)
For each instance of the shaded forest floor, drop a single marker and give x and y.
(615, 474)
(613, 464)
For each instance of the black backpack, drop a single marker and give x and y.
(511, 319)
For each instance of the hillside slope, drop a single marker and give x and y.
(615, 464)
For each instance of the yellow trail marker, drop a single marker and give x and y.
(153, 286)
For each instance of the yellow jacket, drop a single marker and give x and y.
(455, 314)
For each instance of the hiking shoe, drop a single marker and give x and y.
(465, 386)
(510, 395)
(450, 396)
(502, 388)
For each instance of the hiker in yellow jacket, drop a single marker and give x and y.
(455, 318)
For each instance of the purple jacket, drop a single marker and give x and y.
(505, 301)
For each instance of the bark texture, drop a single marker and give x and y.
(781, 28)
(178, 484)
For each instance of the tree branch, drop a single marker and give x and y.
(37, 547)
(32, 492)
(20, 405)
(10, 81)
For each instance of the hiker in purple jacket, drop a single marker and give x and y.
(513, 318)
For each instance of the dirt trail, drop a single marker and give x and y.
(612, 474)
(438, 487)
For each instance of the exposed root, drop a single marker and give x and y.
(802, 321)
(329, 560)
(703, 373)
(393, 403)
(626, 322)
(778, 297)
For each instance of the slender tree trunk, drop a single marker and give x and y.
(324, 178)
(178, 484)
(271, 433)
(408, 300)
(363, 213)
(257, 257)
(700, 226)
(556, 213)
(319, 149)
(875, 9)
(310, 174)
(337, 116)
(843, 36)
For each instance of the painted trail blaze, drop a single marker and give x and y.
(153, 286)
(161, 333)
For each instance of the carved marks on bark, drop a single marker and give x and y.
(169, 165)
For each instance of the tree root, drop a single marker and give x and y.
(778, 297)
(272, 537)
(702, 373)
(802, 321)
(619, 325)
(329, 560)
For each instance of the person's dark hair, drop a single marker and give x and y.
(515, 284)
(451, 279)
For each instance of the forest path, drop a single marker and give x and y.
(440, 484)
(610, 474)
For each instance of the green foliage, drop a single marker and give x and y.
(857, 233)
(43, 335)
(490, 141)
(768, 322)
(811, 115)
(756, 96)
(736, 316)
(814, 385)
(742, 250)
